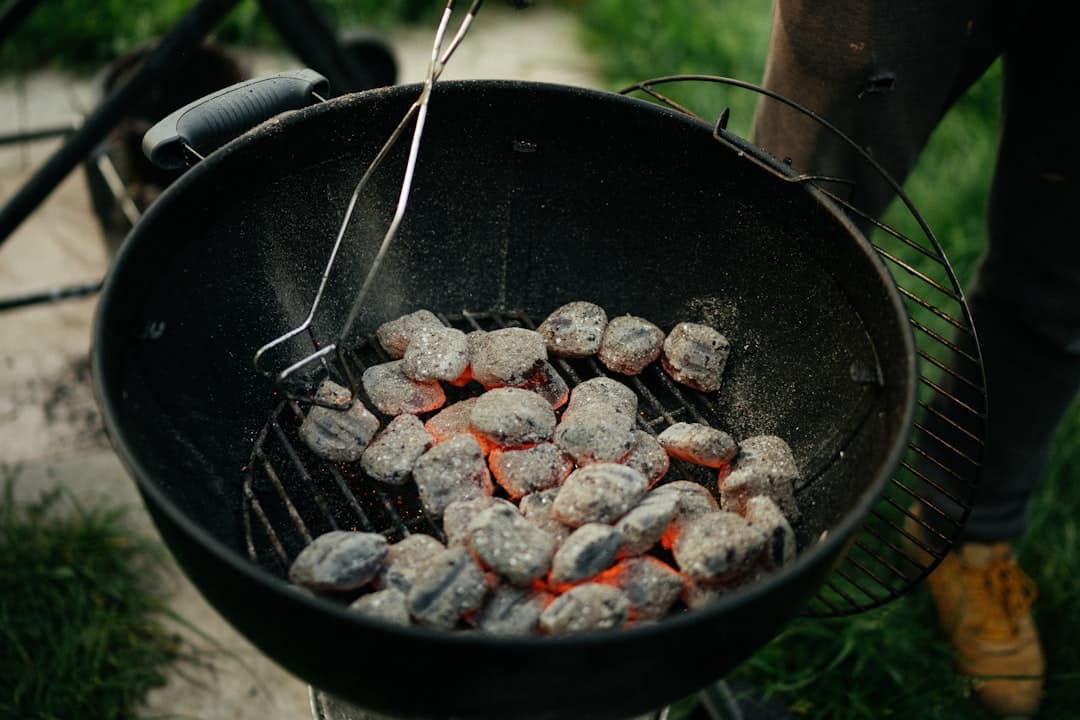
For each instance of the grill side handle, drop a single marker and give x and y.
(204, 125)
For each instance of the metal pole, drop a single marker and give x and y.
(188, 32)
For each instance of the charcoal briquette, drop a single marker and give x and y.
(507, 357)
(393, 453)
(648, 457)
(452, 470)
(645, 524)
(436, 353)
(339, 560)
(585, 608)
(651, 586)
(338, 435)
(388, 605)
(717, 544)
(512, 610)
(630, 344)
(405, 559)
(458, 515)
(394, 393)
(699, 444)
(598, 493)
(764, 465)
(603, 390)
(509, 545)
(596, 434)
(394, 336)
(587, 551)
(521, 472)
(695, 355)
(574, 330)
(511, 417)
(537, 508)
(448, 587)
(765, 515)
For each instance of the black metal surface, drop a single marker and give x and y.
(527, 196)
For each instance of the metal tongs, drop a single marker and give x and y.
(417, 110)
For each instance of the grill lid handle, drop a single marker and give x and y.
(202, 126)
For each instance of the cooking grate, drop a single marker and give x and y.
(290, 495)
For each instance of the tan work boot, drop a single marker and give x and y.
(984, 601)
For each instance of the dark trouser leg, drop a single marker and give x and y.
(885, 73)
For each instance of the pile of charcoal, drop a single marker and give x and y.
(553, 502)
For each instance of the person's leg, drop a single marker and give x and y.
(1026, 296)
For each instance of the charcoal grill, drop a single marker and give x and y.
(536, 196)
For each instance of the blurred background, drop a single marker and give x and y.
(96, 621)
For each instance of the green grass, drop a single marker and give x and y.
(82, 618)
(889, 662)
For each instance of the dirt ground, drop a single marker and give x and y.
(50, 429)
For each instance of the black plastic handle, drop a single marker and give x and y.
(211, 121)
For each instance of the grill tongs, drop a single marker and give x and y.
(194, 130)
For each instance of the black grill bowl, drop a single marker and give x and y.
(527, 196)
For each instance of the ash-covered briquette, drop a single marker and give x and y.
(589, 550)
(648, 457)
(507, 357)
(454, 419)
(692, 500)
(452, 470)
(338, 435)
(765, 515)
(458, 515)
(763, 466)
(587, 607)
(695, 355)
(716, 545)
(521, 472)
(596, 434)
(643, 526)
(405, 559)
(451, 585)
(630, 344)
(394, 393)
(389, 605)
(395, 335)
(598, 493)
(574, 330)
(509, 545)
(391, 456)
(549, 384)
(436, 353)
(603, 390)
(651, 586)
(511, 417)
(511, 610)
(699, 444)
(339, 560)
(537, 508)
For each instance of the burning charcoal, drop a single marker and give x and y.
(405, 559)
(589, 550)
(507, 357)
(395, 335)
(454, 420)
(339, 560)
(548, 384)
(390, 458)
(598, 493)
(574, 330)
(460, 513)
(393, 392)
(648, 457)
(510, 545)
(388, 605)
(630, 344)
(451, 585)
(587, 607)
(718, 544)
(643, 526)
(698, 595)
(338, 435)
(453, 470)
(537, 509)
(511, 417)
(698, 444)
(595, 434)
(512, 611)
(695, 355)
(603, 390)
(692, 500)
(764, 466)
(764, 514)
(436, 353)
(651, 585)
(521, 472)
